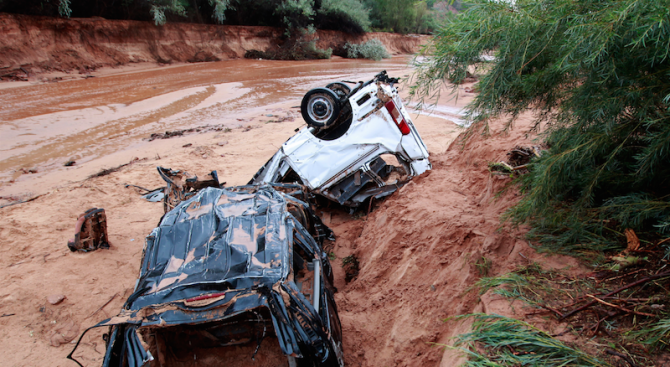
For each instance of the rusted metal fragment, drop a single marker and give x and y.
(90, 232)
(181, 185)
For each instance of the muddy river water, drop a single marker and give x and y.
(44, 125)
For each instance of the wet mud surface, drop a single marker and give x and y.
(46, 125)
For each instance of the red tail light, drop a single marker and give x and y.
(206, 296)
(397, 118)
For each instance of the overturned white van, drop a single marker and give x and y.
(358, 144)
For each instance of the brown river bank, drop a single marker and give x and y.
(32, 46)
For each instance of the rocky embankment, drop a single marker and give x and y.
(30, 44)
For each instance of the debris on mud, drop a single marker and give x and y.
(290, 116)
(107, 171)
(517, 160)
(182, 132)
(520, 156)
(90, 231)
(18, 74)
(28, 170)
(181, 185)
(155, 196)
(607, 305)
(14, 200)
(70, 163)
(351, 267)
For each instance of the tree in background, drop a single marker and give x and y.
(406, 16)
(295, 13)
(179, 7)
(350, 16)
(597, 74)
(44, 7)
(347, 15)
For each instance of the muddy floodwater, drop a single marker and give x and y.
(44, 125)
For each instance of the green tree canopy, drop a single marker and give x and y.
(402, 16)
(597, 73)
(347, 15)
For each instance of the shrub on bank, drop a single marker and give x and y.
(373, 49)
(301, 45)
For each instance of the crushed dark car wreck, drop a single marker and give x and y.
(231, 267)
(358, 144)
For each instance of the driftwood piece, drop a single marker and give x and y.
(663, 241)
(641, 281)
(557, 312)
(22, 201)
(622, 356)
(619, 307)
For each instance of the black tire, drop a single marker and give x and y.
(342, 90)
(320, 108)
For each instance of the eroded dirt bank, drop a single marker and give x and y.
(32, 44)
(422, 250)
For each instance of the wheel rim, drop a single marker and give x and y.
(320, 108)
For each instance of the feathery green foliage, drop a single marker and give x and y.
(64, 8)
(350, 16)
(177, 7)
(401, 16)
(598, 74)
(535, 286)
(657, 336)
(519, 282)
(296, 13)
(509, 342)
(159, 7)
(220, 7)
(373, 49)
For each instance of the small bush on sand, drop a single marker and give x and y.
(373, 49)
